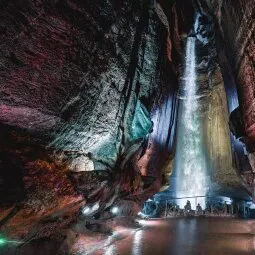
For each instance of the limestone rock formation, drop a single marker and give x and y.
(236, 25)
(88, 99)
(236, 47)
(83, 85)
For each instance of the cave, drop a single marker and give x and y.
(127, 127)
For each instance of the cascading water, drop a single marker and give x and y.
(190, 160)
(203, 170)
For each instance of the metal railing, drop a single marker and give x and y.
(229, 203)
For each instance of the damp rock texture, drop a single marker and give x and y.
(80, 83)
(236, 30)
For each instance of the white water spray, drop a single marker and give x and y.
(190, 159)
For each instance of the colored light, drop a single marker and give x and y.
(142, 222)
(90, 209)
(2, 241)
(115, 210)
(86, 210)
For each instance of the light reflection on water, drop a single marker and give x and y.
(110, 248)
(189, 236)
(137, 242)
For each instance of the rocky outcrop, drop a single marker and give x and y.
(235, 47)
(236, 26)
(64, 70)
(88, 99)
(84, 84)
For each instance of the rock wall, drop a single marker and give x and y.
(215, 114)
(236, 26)
(88, 101)
(84, 83)
(64, 70)
(235, 46)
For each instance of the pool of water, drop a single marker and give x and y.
(187, 236)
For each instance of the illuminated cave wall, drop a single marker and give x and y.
(235, 46)
(83, 85)
(88, 95)
(236, 25)
(214, 108)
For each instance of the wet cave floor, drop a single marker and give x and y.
(176, 236)
(189, 236)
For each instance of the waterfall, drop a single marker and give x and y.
(190, 160)
(203, 170)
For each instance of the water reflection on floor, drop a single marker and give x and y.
(188, 236)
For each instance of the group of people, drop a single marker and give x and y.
(211, 209)
(188, 209)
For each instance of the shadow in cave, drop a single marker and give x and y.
(11, 178)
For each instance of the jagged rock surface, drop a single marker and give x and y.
(236, 26)
(236, 46)
(80, 81)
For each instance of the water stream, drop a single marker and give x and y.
(190, 160)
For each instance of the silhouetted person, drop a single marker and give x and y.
(187, 207)
(199, 209)
(225, 208)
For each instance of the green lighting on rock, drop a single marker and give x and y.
(141, 124)
(3, 241)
